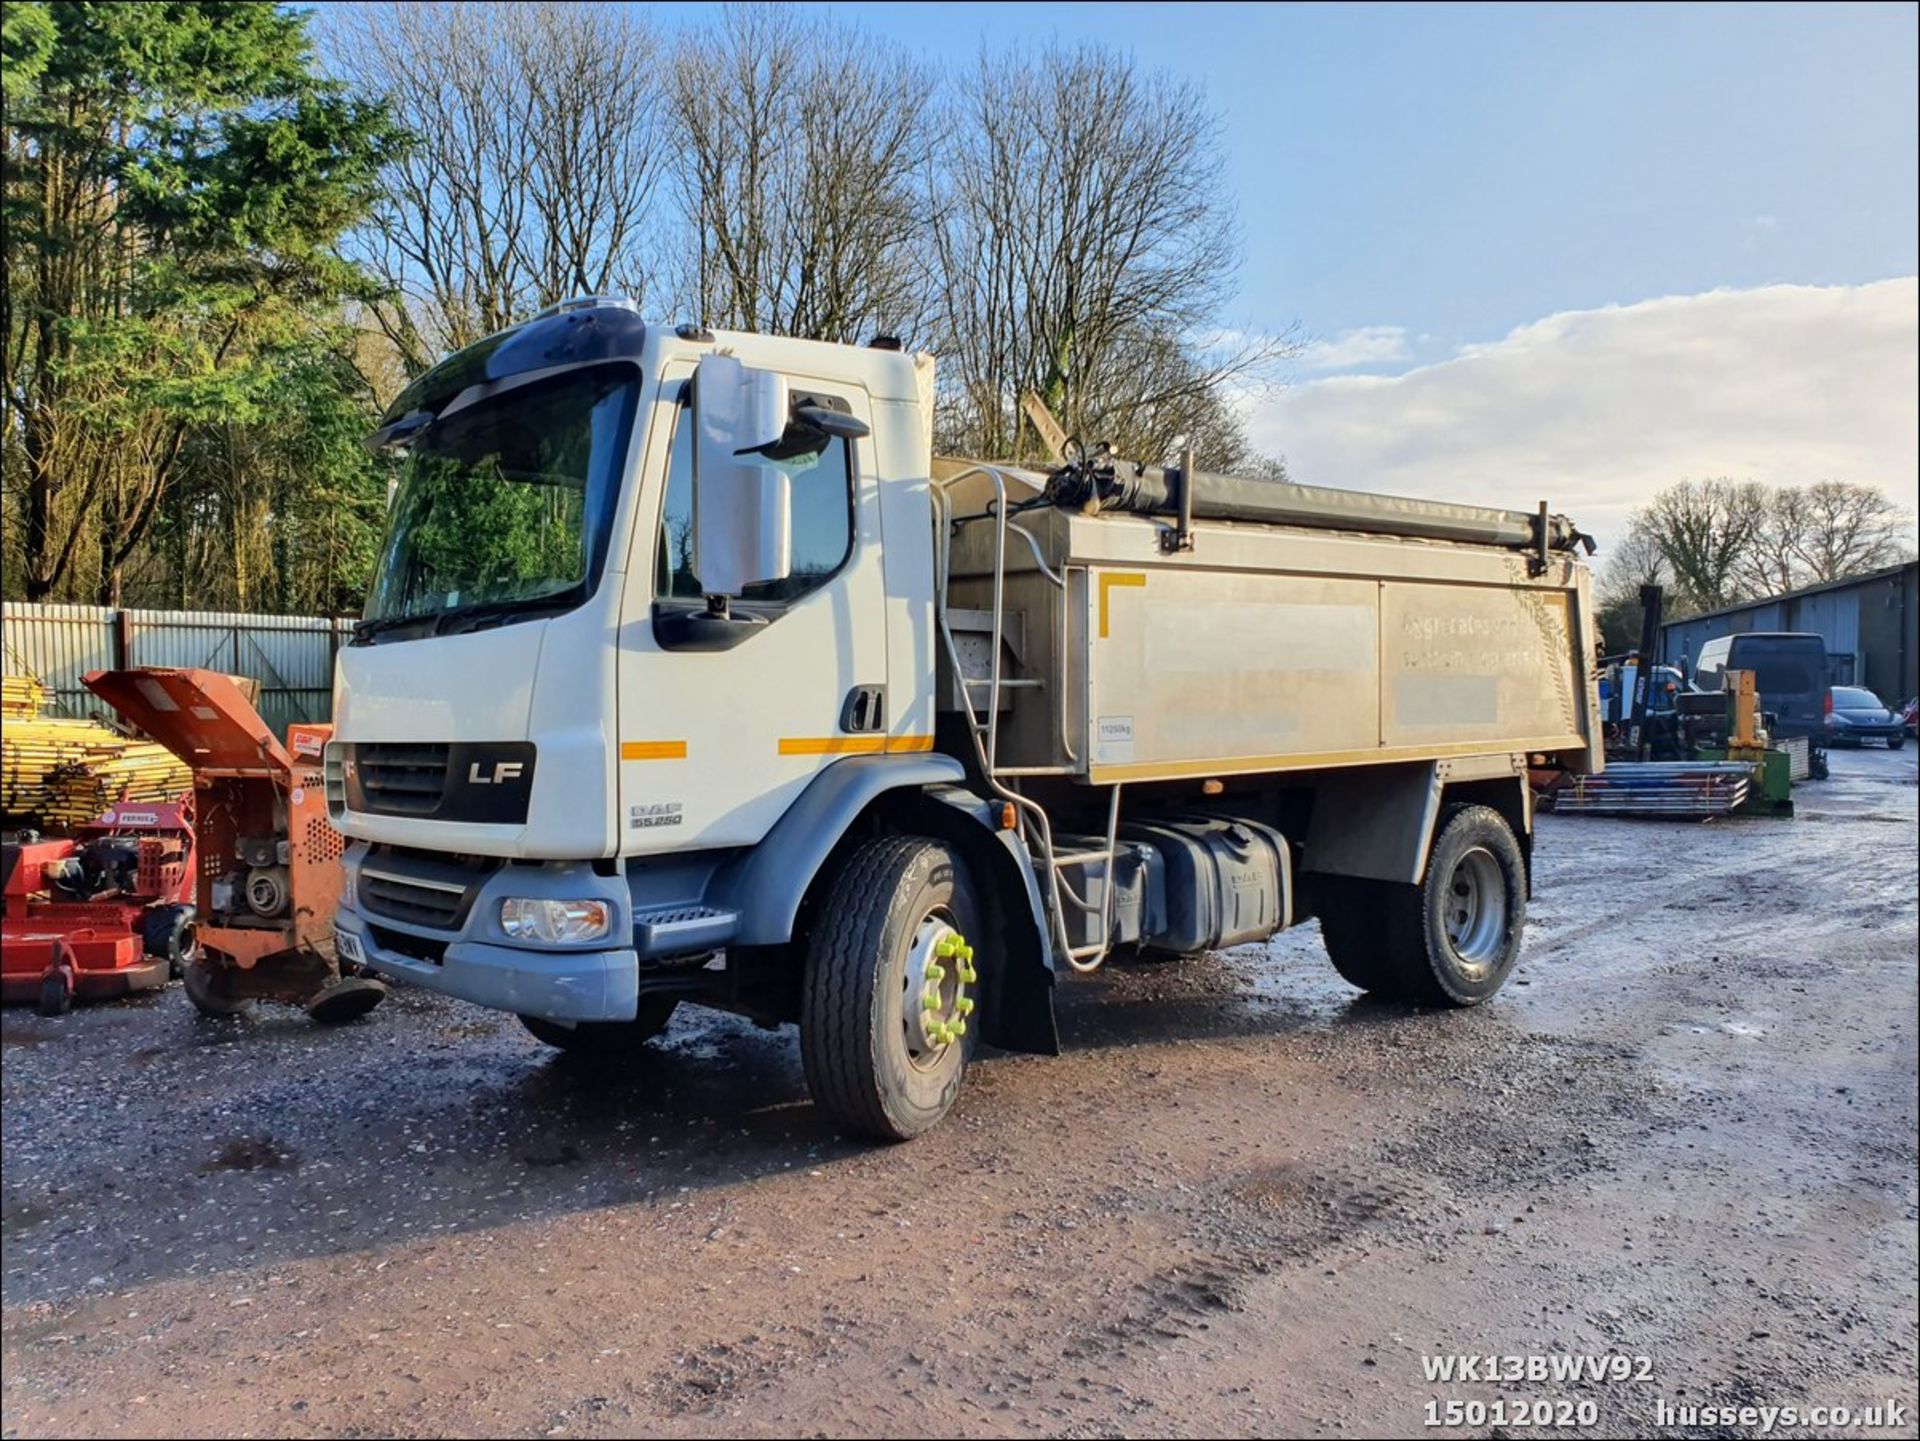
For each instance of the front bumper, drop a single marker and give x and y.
(554, 985)
(475, 962)
(1866, 733)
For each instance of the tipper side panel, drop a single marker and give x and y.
(1192, 671)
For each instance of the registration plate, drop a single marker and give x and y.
(346, 945)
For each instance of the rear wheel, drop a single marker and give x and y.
(170, 931)
(1353, 926)
(605, 1040)
(1453, 939)
(889, 985)
(210, 987)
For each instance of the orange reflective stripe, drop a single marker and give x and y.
(853, 745)
(653, 750)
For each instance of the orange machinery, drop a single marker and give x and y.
(268, 868)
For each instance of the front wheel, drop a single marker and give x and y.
(1895, 742)
(209, 985)
(889, 985)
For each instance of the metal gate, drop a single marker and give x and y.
(290, 656)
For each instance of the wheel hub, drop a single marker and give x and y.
(1476, 907)
(935, 1004)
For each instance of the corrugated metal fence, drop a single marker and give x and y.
(291, 656)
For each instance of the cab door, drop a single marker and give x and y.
(718, 739)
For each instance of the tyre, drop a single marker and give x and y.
(605, 1040)
(1353, 927)
(171, 931)
(1453, 939)
(889, 985)
(210, 988)
(1895, 742)
(56, 992)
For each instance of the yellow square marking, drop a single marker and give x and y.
(1108, 580)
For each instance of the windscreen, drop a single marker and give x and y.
(1781, 668)
(1846, 697)
(505, 504)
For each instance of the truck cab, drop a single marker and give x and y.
(684, 676)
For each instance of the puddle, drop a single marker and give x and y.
(252, 1153)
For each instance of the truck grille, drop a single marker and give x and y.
(402, 778)
(421, 889)
(409, 901)
(420, 948)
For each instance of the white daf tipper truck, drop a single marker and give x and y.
(688, 675)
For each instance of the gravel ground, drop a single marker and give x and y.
(1244, 1201)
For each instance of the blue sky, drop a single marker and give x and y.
(1458, 171)
(1573, 253)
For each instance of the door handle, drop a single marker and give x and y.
(865, 709)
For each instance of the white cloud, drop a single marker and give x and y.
(1595, 410)
(1369, 345)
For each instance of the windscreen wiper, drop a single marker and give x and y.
(365, 630)
(464, 618)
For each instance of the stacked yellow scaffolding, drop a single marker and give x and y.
(21, 696)
(57, 773)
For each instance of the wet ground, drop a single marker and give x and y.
(1244, 1201)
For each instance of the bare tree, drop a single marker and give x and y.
(1152, 394)
(1085, 237)
(1821, 532)
(1706, 531)
(1771, 563)
(537, 151)
(801, 146)
(1845, 529)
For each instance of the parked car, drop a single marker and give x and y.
(1790, 672)
(1858, 717)
(1910, 716)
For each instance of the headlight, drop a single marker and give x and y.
(549, 921)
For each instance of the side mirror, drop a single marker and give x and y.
(830, 422)
(742, 503)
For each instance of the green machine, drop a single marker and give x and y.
(1771, 794)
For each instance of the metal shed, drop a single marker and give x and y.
(1870, 623)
